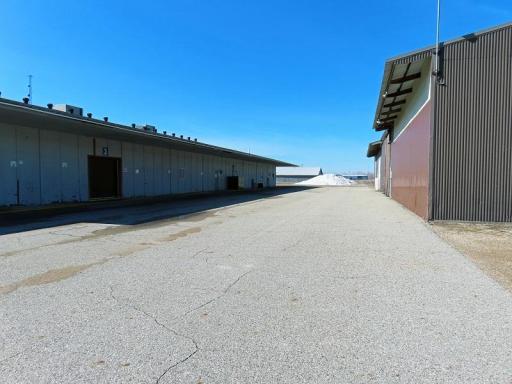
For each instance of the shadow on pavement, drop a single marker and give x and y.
(127, 213)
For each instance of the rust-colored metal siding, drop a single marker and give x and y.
(410, 154)
(472, 142)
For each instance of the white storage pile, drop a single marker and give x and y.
(327, 179)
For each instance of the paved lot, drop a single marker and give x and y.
(327, 285)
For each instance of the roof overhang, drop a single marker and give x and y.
(400, 73)
(12, 112)
(374, 148)
(397, 87)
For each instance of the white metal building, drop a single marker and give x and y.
(291, 175)
(54, 154)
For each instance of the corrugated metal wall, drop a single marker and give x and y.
(472, 154)
(41, 166)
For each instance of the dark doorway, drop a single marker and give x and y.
(104, 177)
(232, 182)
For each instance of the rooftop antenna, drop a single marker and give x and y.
(29, 89)
(438, 44)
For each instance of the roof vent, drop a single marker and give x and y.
(49, 105)
(189, 138)
(89, 115)
(173, 134)
(105, 119)
(165, 133)
(26, 100)
(77, 111)
(181, 136)
(195, 139)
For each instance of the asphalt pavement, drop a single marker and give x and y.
(323, 285)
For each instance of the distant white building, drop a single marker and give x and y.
(356, 176)
(292, 175)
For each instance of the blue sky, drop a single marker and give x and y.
(295, 80)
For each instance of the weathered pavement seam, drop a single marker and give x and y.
(226, 290)
(198, 253)
(155, 319)
(12, 356)
(6, 289)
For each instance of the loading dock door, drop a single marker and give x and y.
(104, 177)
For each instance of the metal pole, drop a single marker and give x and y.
(438, 26)
(29, 89)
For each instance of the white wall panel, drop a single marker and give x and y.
(50, 167)
(53, 166)
(187, 166)
(27, 147)
(138, 170)
(127, 169)
(166, 169)
(149, 171)
(197, 178)
(85, 148)
(69, 172)
(114, 148)
(8, 165)
(174, 171)
(158, 171)
(208, 180)
(100, 147)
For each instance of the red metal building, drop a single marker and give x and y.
(446, 149)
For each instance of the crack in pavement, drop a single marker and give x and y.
(162, 325)
(56, 233)
(12, 356)
(294, 244)
(226, 290)
(198, 253)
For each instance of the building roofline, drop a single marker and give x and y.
(450, 41)
(19, 107)
(421, 54)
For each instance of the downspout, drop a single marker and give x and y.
(431, 162)
(438, 27)
(435, 80)
(390, 176)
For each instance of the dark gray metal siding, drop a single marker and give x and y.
(472, 153)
